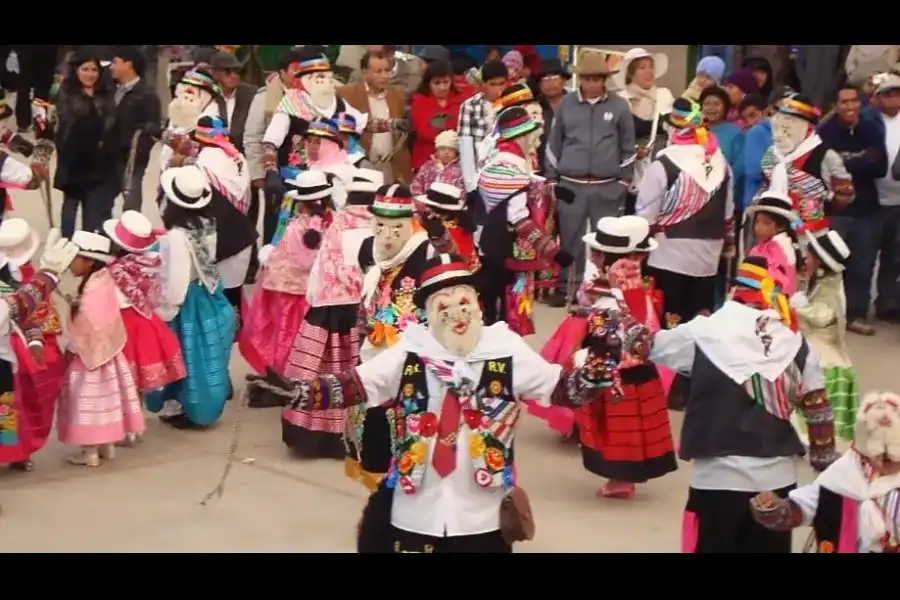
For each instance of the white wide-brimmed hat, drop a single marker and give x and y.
(365, 180)
(443, 196)
(775, 203)
(93, 245)
(660, 65)
(830, 248)
(621, 235)
(309, 185)
(18, 242)
(187, 187)
(132, 231)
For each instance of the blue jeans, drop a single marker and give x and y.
(870, 238)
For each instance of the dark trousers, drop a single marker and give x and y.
(416, 543)
(684, 296)
(7, 79)
(37, 64)
(271, 208)
(871, 239)
(134, 199)
(492, 291)
(96, 204)
(723, 524)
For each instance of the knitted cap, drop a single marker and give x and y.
(447, 139)
(744, 80)
(800, 106)
(517, 94)
(393, 202)
(346, 124)
(325, 128)
(515, 122)
(712, 66)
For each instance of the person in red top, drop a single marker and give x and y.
(434, 108)
(461, 82)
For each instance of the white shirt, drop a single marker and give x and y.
(455, 505)
(15, 173)
(229, 106)
(888, 188)
(382, 143)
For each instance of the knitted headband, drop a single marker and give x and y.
(516, 95)
(318, 64)
(755, 277)
(212, 130)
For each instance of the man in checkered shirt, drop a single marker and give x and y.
(476, 118)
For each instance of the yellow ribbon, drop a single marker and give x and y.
(524, 305)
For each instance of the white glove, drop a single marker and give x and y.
(58, 253)
(799, 300)
(264, 253)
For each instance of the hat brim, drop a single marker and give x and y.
(591, 241)
(166, 181)
(423, 293)
(109, 228)
(454, 207)
(791, 216)
(104, 258)
(18, 259)
(828, 260)
(326, 136)
(361, 186)
(558, 72)
(660, 67)
(386, 214)
(295, 195)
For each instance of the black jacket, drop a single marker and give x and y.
(85, 125)
(138, 109)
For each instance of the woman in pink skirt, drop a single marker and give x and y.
(278, 308)
(99, 404)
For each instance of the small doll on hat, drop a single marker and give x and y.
(448, 203)
(151, 347)
(775, 225)
(277, 309)
(100, 404)
(443, 167)
(821, 311)
(40, 364)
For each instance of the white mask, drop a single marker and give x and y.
(391, 235)
(455, 320)
(187, 106)
(537, 113)
(788, 132)
(877, 431)
(320, 87)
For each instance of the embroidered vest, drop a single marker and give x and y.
(10, 420)
(393, 305)
(491, 415)
(805, 185)
(708, 223)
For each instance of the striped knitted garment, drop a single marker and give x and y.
(501, 176)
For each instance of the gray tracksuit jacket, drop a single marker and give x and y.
(591, 140)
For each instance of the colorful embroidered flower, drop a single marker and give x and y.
(493, 458)
(483, 478)
(405, 319)
(472, 418)
(413, 424)
(406, 485)
(406, 463)
(495, 387)
(408, 391)
(408, 284)
(509, 477)
(419, 452)
(826, 547)
(429, 422)
(476, 446)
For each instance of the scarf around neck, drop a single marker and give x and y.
(373, 275)
(641, 101)
(138, 278)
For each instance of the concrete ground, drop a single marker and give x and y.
(148, 499)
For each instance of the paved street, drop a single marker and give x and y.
(148, 499)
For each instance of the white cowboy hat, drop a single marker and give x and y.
(132, 231)
(309, 185)
(830, 248)
(187, 187)
(18, 242)
(660, 64)
(365, 180)
(775, 203)
(93, 245)
(443, 196)
(621, 235)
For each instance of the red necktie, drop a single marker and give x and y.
(444, 458)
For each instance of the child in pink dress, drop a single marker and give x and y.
(277, 310)
(99, 404)
(774, 219)
(151, 347)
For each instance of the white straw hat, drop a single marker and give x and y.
(18, 242)
(621, 235)
(93, 245)
(309, 185)
(443, 196)
(132, 231)
(187, 187)
(660, 65)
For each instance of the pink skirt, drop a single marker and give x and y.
(100, 406)
(153, 351)
(270, 325)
